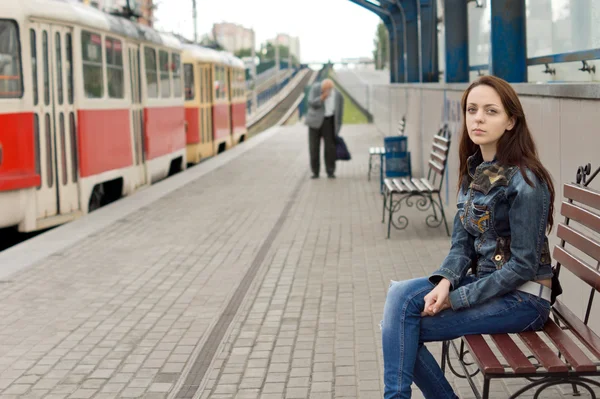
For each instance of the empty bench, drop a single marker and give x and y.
(559, 358)
(426, 190)
(378, 154)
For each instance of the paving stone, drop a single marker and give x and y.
(129, 321)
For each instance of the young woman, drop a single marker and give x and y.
(505, 208)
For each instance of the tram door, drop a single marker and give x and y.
(137, 113)
(55, 121)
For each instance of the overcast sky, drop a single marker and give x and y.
(328, 29)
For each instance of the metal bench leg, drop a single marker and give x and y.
(391, 202)
(575, 390)
(384, 204)
(444, 354)
(443, 214)
(433, 206)
(486, 388)
(381, 173)
(370, 167)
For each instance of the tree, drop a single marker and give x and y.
(267, 53)
(381, 52)
(245, 52)
(209, 42)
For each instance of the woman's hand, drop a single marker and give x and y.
(437, 300)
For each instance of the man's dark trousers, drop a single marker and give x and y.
(314, 142)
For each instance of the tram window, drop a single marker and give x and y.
(151, 72)
(59, 76)
(10, 61)
(176, 75)
(46, 68)
(114, 68)
(48, 145)
(218, 82)
(165, 84)
(93, 78)
(63, 150)
(34, 76)
(69, 66)
(73, 134)
(223, 86)
(188, 77)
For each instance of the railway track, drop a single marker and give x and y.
(270, 119)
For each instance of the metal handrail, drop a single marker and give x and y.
(573, 56)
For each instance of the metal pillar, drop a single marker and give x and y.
(509, 40)
(393, 51)
(412, 38)
(457, 41)
(428, 39)
(392, 29)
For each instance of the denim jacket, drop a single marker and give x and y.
(500, 229)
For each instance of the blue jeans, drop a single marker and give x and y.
(404, 332)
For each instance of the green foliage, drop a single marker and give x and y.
(381, 52)
(267, 53)
(352, 114)
(245, 52)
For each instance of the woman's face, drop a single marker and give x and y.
(486, 118)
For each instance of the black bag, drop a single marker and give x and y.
(341, 151)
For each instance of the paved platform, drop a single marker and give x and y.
(239, 278)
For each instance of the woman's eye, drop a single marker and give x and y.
(471, 110)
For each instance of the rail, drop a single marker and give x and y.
(559, 58)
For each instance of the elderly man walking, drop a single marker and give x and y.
(324, 119)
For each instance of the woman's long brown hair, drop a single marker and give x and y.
(515, 148)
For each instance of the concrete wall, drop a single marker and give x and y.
(565, 122)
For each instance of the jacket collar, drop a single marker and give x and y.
(476, 160)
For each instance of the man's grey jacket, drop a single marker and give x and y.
(316, 108)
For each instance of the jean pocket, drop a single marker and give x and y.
(536, 325)
(542, 305)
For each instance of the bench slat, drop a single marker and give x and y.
(417, 183)
(585, 195)
(513, 355)
(427, 184)
(437, 167)
(443, 150)
(543, 353)
(483, 355)
(409, 185)
(578, 267)
(376, 150)
(581, 215)
(578, 240)
(441, 140)
(568, 348)
(583, 332)
(399, 187)
(438, 157)
(389, 185)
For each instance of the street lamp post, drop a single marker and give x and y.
(194, 16)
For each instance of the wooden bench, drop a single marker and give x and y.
(557, 359)
(428, 190)
(378, 154)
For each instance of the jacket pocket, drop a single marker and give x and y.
(480, 217)
(502, 252)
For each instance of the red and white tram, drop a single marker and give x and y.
(91, 108)
(215, 101)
